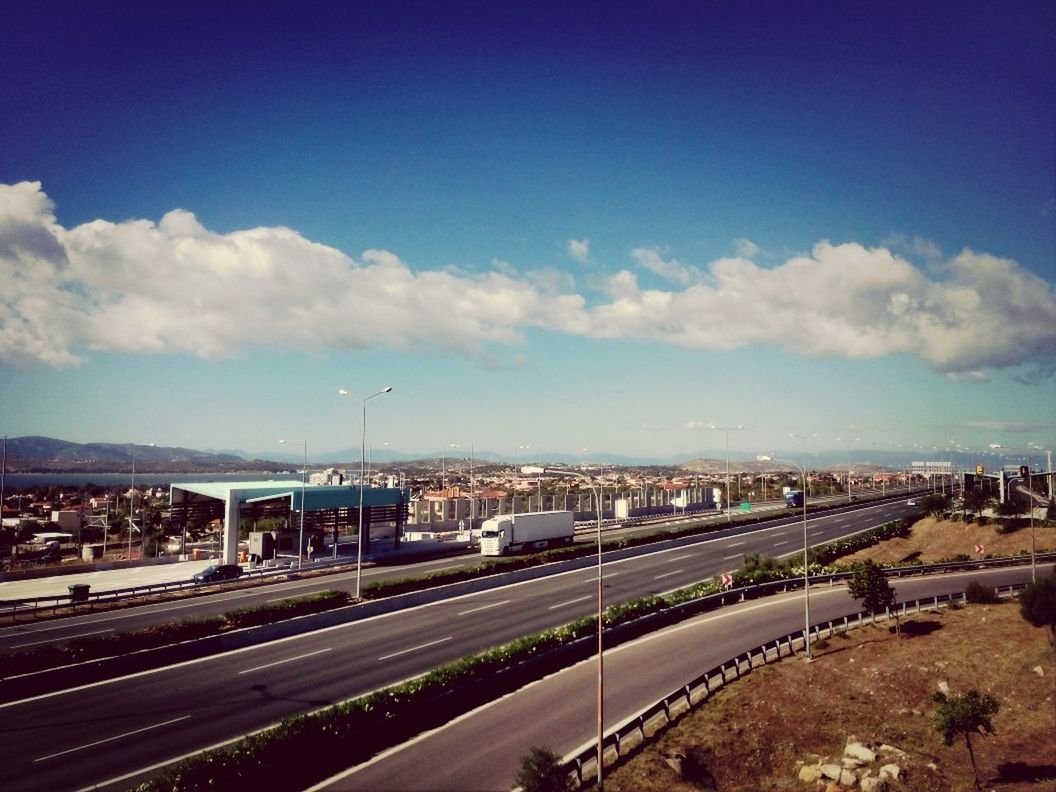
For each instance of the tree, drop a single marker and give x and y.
(1050, 513)
(935, 504)
(869, 585)
(541, 771)
(974, 501)
(1037, 604)
(964, 715)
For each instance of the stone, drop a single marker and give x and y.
(831, 787)
(890, 750)
(831, 771)
(874, 785)
(855, 750)
(890, 772)
(810, 773)
(944, 687)
(1038, 670)
(849, 763)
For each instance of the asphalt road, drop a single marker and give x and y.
(220, 600)
(482, 751)
(90, 735)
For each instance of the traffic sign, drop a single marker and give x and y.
(978, 470)
(727, 580)
(979, 549)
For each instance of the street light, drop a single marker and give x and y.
(362, 475)
(132, 507)
(806, 557)
(304, 475)
(727, 430)
(855, 440)
(532, 470)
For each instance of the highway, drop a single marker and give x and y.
(100, 732)
(220, 600)
(482, 750)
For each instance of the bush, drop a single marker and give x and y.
(980, 594)
(541, 772)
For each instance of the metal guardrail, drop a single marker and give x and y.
(35, 605)
(698, 690)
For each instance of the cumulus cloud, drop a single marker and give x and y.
(174, 286)
(579, 249)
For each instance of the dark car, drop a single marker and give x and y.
(218, 572)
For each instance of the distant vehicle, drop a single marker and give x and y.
(911, 502)
(218, 572)
(510, 533)
(793, 498)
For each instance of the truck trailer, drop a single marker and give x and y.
(793, 499)
(512, 533)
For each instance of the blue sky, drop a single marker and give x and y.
(596, 226)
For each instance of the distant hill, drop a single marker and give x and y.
(50, 455)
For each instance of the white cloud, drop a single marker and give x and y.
(176, 287)
(745, 248)
(670, 269)
(579, 249)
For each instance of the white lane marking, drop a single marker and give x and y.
(607, 575)
(483, 607)
(416, 648)
(111, 739)
(61, 638)
(669, 574)
(778, 544)
(287, 660)
(570, 602)
(730, 558)
(735, 544)
(679, 558)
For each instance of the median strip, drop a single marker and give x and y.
(61, 638)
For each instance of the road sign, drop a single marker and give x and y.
(979, 470)
(727, 580)
(979, 549)
(746, 506)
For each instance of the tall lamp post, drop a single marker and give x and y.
(304, 476)
(855, 440)
(532, 470)
(727, 430)
(362, 476)
(806, 555)
(132, 507)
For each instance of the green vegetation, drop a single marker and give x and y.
(1037, 604)
(965, 715)
(975, 592)
(541, 771)
(870, 586)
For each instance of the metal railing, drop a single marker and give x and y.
(637, 729)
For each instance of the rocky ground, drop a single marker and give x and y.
(791, 725)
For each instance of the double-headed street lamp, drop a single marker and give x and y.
(532, 470)
(304, 475)
(806, 556)
(132, 509)
(362, 476)
(727, 430)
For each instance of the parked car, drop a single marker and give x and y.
(218, 572)
(911, 502)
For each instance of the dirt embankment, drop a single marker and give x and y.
(932, 540)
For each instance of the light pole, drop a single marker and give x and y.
(855, 440)
(304, 476)
(806, 556)
(727, 430)
(532, 470)
(132, 507)
(362, 475)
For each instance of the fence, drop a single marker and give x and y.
(638, 728)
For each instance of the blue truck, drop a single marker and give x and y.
(793, 499)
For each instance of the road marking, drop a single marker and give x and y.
(68, 637)
(778, 544)
(679, 558)
(416, 648)
(484, 607)
(607, 575)
(571, 602)
(111, 739)
(735, 544)
(280, 662)
(730, 558)
(669, 574)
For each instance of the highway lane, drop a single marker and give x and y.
(58, 631)
(482, 750)
(88, 735)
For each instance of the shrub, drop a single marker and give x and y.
(541, 772)
(980, 594)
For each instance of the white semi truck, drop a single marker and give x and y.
(511, 533)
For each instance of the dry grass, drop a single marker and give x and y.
(877, 688)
